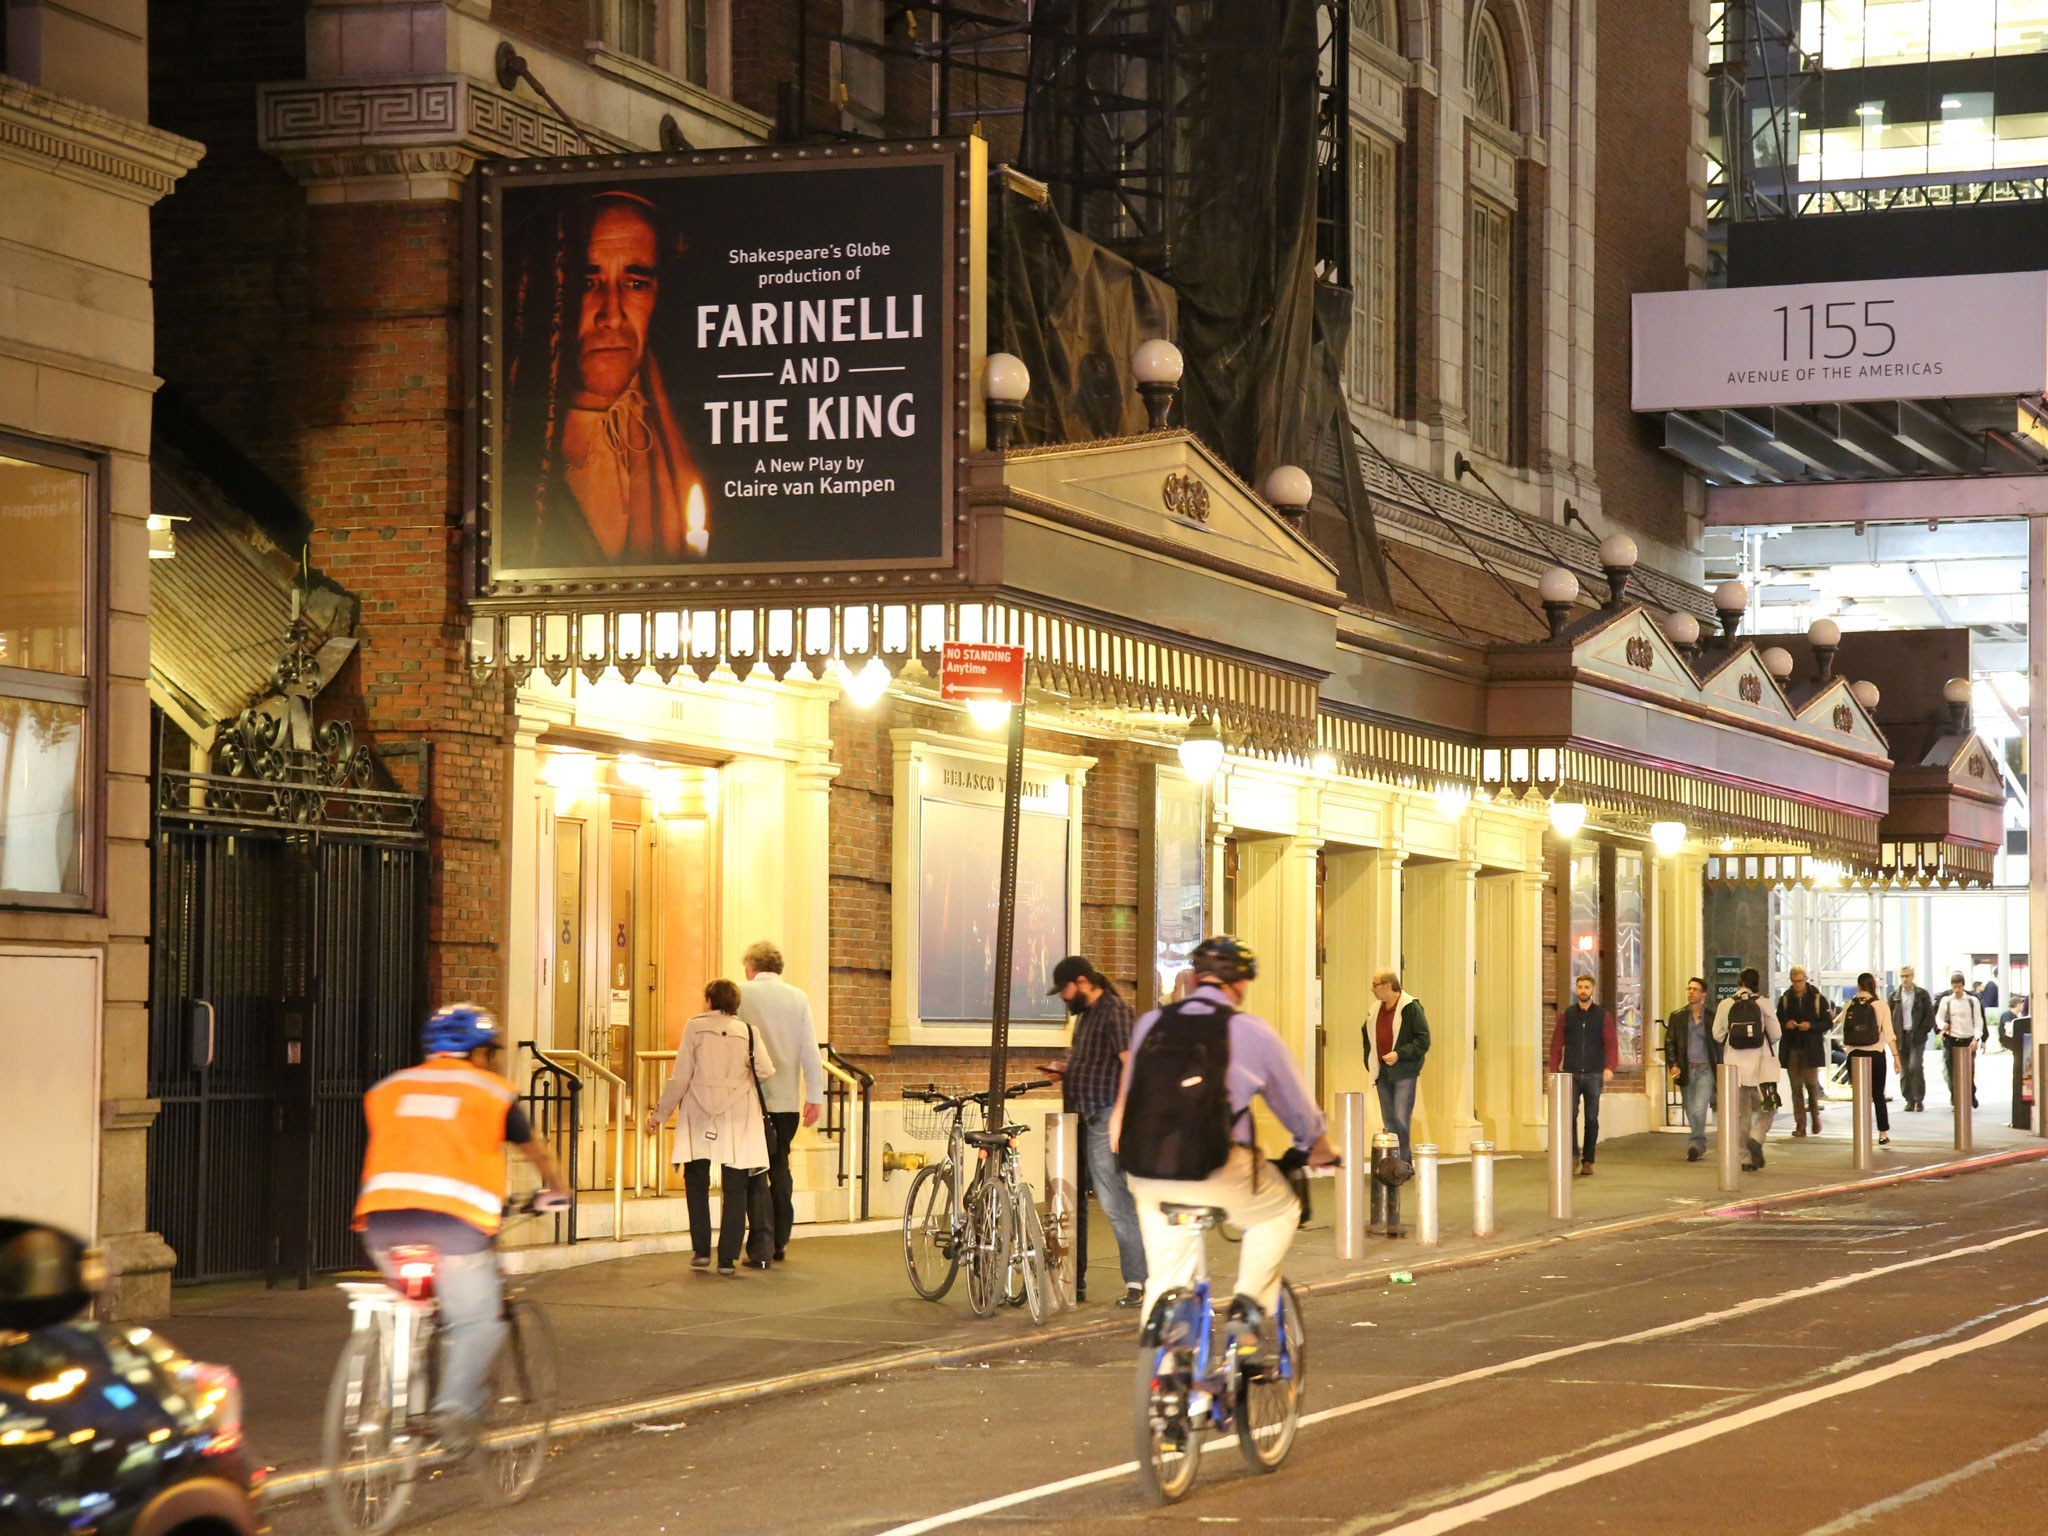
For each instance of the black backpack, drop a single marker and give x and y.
(1177, 1117)
(1745, 1023)
(1859, 1023)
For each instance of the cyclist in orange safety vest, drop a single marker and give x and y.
(434, 1176)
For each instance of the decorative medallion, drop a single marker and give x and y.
(1185, 496)
(1845, 718)
(1977, 765)
(1639, 652)
(1751, 688)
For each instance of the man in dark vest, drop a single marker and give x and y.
(1805, 1017)
(1583, 1044)
(1912, 1022)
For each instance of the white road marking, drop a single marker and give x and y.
(1927, 1490)
(1465, 1378)
(1504, 1499)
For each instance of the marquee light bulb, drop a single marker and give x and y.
(989, 714)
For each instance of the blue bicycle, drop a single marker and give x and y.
(1188, 1388)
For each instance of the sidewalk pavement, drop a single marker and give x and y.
(634, 1330)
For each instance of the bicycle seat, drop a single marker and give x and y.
(988, 1141)
(1203, 1216)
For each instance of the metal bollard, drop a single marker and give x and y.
(1063, 1196)
(1351, 1143)
(1386, 1192)
(2041, 1082)
(1560, 1146)
(1482, 1189)
(1963, 1061)
(1427, 1231)
(1728, 1126)
(1861, 1141)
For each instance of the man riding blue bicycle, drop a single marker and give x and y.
(434, 1177)
(1183, 1132)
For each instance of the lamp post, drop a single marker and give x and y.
(1731, 601)
(1005, 381)
(1825, 636)
(1778, 662)
(1288, 490)
(1558, 589)
(1158, 366)
(1956, 694)
(1683, 631)
(1618, 561)
(1866, 694)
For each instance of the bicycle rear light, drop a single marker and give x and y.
(415, 1269)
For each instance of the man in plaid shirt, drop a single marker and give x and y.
(1095, 1063)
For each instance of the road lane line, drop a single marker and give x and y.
(1927, 1490)
(1502, 1500)
(1478, 1373)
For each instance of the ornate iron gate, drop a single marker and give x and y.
(288, 975)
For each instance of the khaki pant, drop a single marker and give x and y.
(1266, 1206)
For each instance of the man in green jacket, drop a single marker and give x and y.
(1395, 1043)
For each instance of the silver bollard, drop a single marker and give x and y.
(1426, 1169)
(1861, 1137)
(2041, 1082)
(1964, 1077)
(1354, 1144)
(1063, 1197)
(1728, 1125)
(1482, 1189)
(1560, 1146)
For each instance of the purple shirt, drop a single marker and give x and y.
(1260, 1067)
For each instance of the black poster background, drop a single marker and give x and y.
(870, 499)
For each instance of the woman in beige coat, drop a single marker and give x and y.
(720, 1062)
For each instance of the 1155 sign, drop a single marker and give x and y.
(1820, 321)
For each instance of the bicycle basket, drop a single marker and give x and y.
(927, 1122)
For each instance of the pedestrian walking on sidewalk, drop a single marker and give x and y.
(1395, 1044)
(1913, 1019)
(1867, 1031)
(1960, 1019)
(1584, 1045)
(1748, 1031)
(1693, 1055)
(794, 1092)
(721, 1061)
(1805, 1018)
(1088, 1080)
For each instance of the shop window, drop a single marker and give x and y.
(683, 38)
(1628, 958)
(1586, 920)
(1171, 857)
(949, 858)
(1489, 253)
(47, 620)
(1374, 273)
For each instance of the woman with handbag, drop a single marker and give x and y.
(716, 1080)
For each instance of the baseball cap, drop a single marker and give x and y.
(1070, 970)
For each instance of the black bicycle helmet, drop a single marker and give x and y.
(1227, 959)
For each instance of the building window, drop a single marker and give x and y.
(1489, 260)
(47, 621)
(1628, 958)
(684, 38)
(1376, 21)
(1373, 273)
(1489, 75)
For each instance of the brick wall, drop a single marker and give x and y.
(1643, 207)
(862, 822)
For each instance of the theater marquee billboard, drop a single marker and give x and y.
(697, 368)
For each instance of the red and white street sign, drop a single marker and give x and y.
(992, 672)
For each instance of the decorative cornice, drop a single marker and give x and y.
(105, 151)
(416, 137)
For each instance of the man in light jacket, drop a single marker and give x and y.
(795, 1091)
(1396, 1041)
(1756, 1063)
(1913, 1018)
(1960, 1018)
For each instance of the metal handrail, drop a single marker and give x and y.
(853, 1077)
(584, 1059)
(649, 1097)
(572, 1091)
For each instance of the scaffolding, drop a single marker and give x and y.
(1834, 934)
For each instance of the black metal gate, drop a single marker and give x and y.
(288, 975)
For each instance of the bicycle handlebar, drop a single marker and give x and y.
(930, 1094)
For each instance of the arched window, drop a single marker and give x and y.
(1377, 21)
(1491, 93)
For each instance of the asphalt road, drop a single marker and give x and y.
(1877, 1364)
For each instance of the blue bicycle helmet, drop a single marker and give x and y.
(456, 1029)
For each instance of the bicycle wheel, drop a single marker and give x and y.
(929, 1251)
(520, 1410)
(369, 1453)
(1269, 1402)
(1038, 1294)
(1169, 1433)
(989, 1221)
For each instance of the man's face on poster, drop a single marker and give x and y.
(619, 289)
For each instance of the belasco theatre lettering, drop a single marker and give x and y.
(988, 783)
(722, 364)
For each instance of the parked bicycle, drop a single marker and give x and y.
(989, 1221)
(1188, 1388)
(378, 1432)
